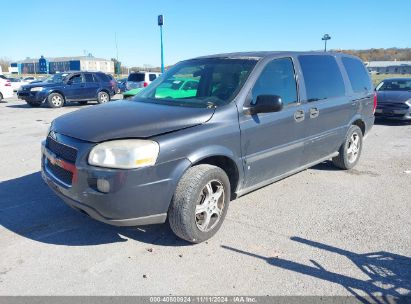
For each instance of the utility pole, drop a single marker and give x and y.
(160, 21)
(325, 38)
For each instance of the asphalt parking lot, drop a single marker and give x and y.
(320, 232)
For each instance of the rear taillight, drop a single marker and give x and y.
(375, 102)
(145, 84)
(7, 84)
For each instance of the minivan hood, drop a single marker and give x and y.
(128, 119)
(393, 96)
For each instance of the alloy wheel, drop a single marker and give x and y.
(353, 147)
(57, 100)
(210, 206)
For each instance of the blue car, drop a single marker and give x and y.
(60, 88)
(121, 83)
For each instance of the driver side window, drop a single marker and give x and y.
(76, 79)
(277, 78)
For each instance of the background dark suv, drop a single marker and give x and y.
(75, 86)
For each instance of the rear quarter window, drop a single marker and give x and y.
(322, 77)
(358, 75)
(103, 77)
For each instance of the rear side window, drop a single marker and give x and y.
(89, 78)
(103, 77)
(277, 78)
(136, 77)
(322, 77)
(359, 79)
(152, 77)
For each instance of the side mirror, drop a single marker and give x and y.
(265, 104)
(69, 82)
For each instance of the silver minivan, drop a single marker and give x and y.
(140, 79)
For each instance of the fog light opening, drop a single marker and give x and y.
(103, 185)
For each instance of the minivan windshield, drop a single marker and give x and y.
(395, 85)
(199, 83)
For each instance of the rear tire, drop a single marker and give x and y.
(200, 203)
(103, 97)
(55, 100)
(350, 150)
(1, 97)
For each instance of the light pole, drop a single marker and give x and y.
(116, 66)
(160, 21)
(325, 38)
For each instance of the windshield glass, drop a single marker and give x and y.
(199, 83)
(395, 85)
(56, 78)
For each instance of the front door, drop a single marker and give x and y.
(273, 143)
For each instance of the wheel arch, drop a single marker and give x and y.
(361, 124)
(103, 90)
(223, 158)
(57, 91)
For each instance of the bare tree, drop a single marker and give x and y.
(5, 63)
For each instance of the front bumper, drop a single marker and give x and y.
(36, 97)
(136, 197)
(393, 111)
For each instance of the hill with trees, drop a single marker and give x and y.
(390, 54)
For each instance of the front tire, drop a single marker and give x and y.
(55, 100)
(103, 97)
(200, 203)
(350, 150)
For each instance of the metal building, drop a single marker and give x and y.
(389, 67)
(63, 64)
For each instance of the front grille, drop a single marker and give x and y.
(389, 115)
(62, 151)
(392, 106)
(62, 174)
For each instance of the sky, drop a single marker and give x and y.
(31, 28)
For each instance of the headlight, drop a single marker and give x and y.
(124, 154)
(36, 89)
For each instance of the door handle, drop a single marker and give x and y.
(314, 112)
(299, 115)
